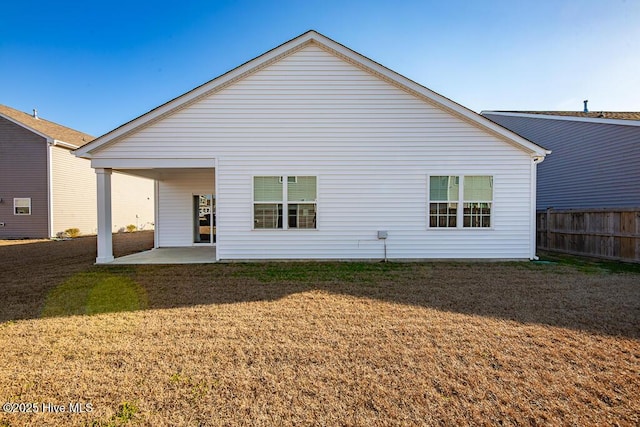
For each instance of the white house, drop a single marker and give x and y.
(313, 151)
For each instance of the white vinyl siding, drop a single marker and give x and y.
(73, 193)
(175, 202)
(369, 143)
(74, 196)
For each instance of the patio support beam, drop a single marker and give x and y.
(105, 240)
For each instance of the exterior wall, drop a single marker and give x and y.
(74, 196)
(371, 145)
(175, 201)
(23, 173)
(74, 193)
(132, 201)
(593, 165)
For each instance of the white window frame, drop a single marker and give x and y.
(285, 180)
(461, 203)
(279, 202)
(16, 199)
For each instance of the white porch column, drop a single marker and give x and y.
(105, 241)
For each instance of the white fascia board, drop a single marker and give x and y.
(63, 144)
(152, 163)
(566, 118)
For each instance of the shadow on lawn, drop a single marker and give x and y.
(551, 294)
(59, 278)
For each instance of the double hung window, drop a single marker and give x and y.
(447, 191)
(273, 196)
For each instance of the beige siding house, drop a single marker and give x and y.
(313, 151)
(45, 189)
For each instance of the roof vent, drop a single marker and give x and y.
(35, 113)
(586, 110)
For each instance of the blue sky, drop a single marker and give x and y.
(93, 66)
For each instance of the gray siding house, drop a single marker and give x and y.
(45, 189)
(595, 161)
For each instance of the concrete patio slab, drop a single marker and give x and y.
(186, 255)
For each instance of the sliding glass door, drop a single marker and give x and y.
(204, 218)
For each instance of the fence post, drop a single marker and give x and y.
(548, 231)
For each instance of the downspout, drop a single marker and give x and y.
(535, 160)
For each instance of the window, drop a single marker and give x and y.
(22, 206)
(443, 197)
(274, 195)
(478, 197)
(445, 192)
(301, 198)
(267, 201)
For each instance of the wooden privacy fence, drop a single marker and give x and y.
(601, 233)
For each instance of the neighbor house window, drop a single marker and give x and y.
(275, 195)
(445, 193)
(22, 206)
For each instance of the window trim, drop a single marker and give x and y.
(284, 179)
(15, 199)
(267, 202)
(461, 202)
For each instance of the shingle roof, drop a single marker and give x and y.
(50, 129)
(618, 115)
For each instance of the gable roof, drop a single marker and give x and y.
(45, 128)
(293, 45)
(626, 118)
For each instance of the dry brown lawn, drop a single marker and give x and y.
(315, 343)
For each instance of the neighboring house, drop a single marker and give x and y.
(45, 189)
(596, 156)
(313, 151)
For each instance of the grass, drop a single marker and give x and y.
(94, 292)
(317, 343)
(591, 265)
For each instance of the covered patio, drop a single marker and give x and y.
(184, 227)
(184, 255)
